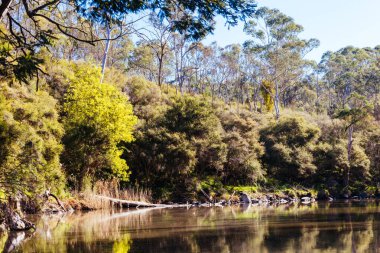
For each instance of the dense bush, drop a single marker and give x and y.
(180, 143)
(30, 136)
(289, 144)
(244, 151)
(97, 117)
(177, 149)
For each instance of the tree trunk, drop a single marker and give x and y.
(4, 7)
(160, 63)
(277, 103)
(349, 153)
(108, 42)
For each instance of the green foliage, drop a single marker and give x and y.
(358, 111)
(195, 118)
(174, 149)
(17, 62)
(30, 135)
(97, 118)
(332, 162)
(197, 22)
(372, 149)
(244, 152)
(289, 144)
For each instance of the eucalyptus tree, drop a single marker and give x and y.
(199, 60)
(279, 50)
(351, 76)
(30, 25)
(157, 35)
(141, 61)
(184, 68)
(350, 70)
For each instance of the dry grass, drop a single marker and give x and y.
(112, 189)
(88, 200)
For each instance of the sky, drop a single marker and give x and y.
(336, 23)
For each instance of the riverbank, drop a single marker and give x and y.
(232, 195)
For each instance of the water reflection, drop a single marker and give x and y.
(323, 227)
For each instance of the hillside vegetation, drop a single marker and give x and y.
(88, 98)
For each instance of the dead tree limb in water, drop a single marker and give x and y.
(48, 194)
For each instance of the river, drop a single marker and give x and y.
(319, 227)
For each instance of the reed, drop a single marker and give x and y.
(89, 200)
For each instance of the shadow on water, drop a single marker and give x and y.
(322, 227)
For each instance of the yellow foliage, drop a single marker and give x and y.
(267, 92)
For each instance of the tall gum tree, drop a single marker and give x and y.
(278, 49)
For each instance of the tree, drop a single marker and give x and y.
(97, 118)
(289, 144)
(355, 113)
(350, 70)
(279, 50)
(244, 151)
(178, 142)
(157, 39)
(30, 135)
(41, 21)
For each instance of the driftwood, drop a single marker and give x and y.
(206, 195)
(128, 203)
(48, 194)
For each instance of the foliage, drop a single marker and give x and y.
(17, 62)
(30, 136)
(206, 121)
(97, 118)
(288, 149)
(267, 90)
(244, 152)
(174, 149)
(32, 25)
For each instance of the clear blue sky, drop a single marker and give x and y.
(336, 23)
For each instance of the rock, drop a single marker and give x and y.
(245, 198)
(255, 201)
(283, 201)
(15, 239)
(15, 222)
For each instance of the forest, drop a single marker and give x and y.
(100, 91)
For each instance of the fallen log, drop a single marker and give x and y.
(48, 194)
(130, 203)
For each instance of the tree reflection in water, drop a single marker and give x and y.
(323, 227)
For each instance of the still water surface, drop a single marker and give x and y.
(320, 227)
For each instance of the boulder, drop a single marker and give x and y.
(306, 200)
(245, 198)
(14, 222)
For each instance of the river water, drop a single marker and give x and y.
(319, 227)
